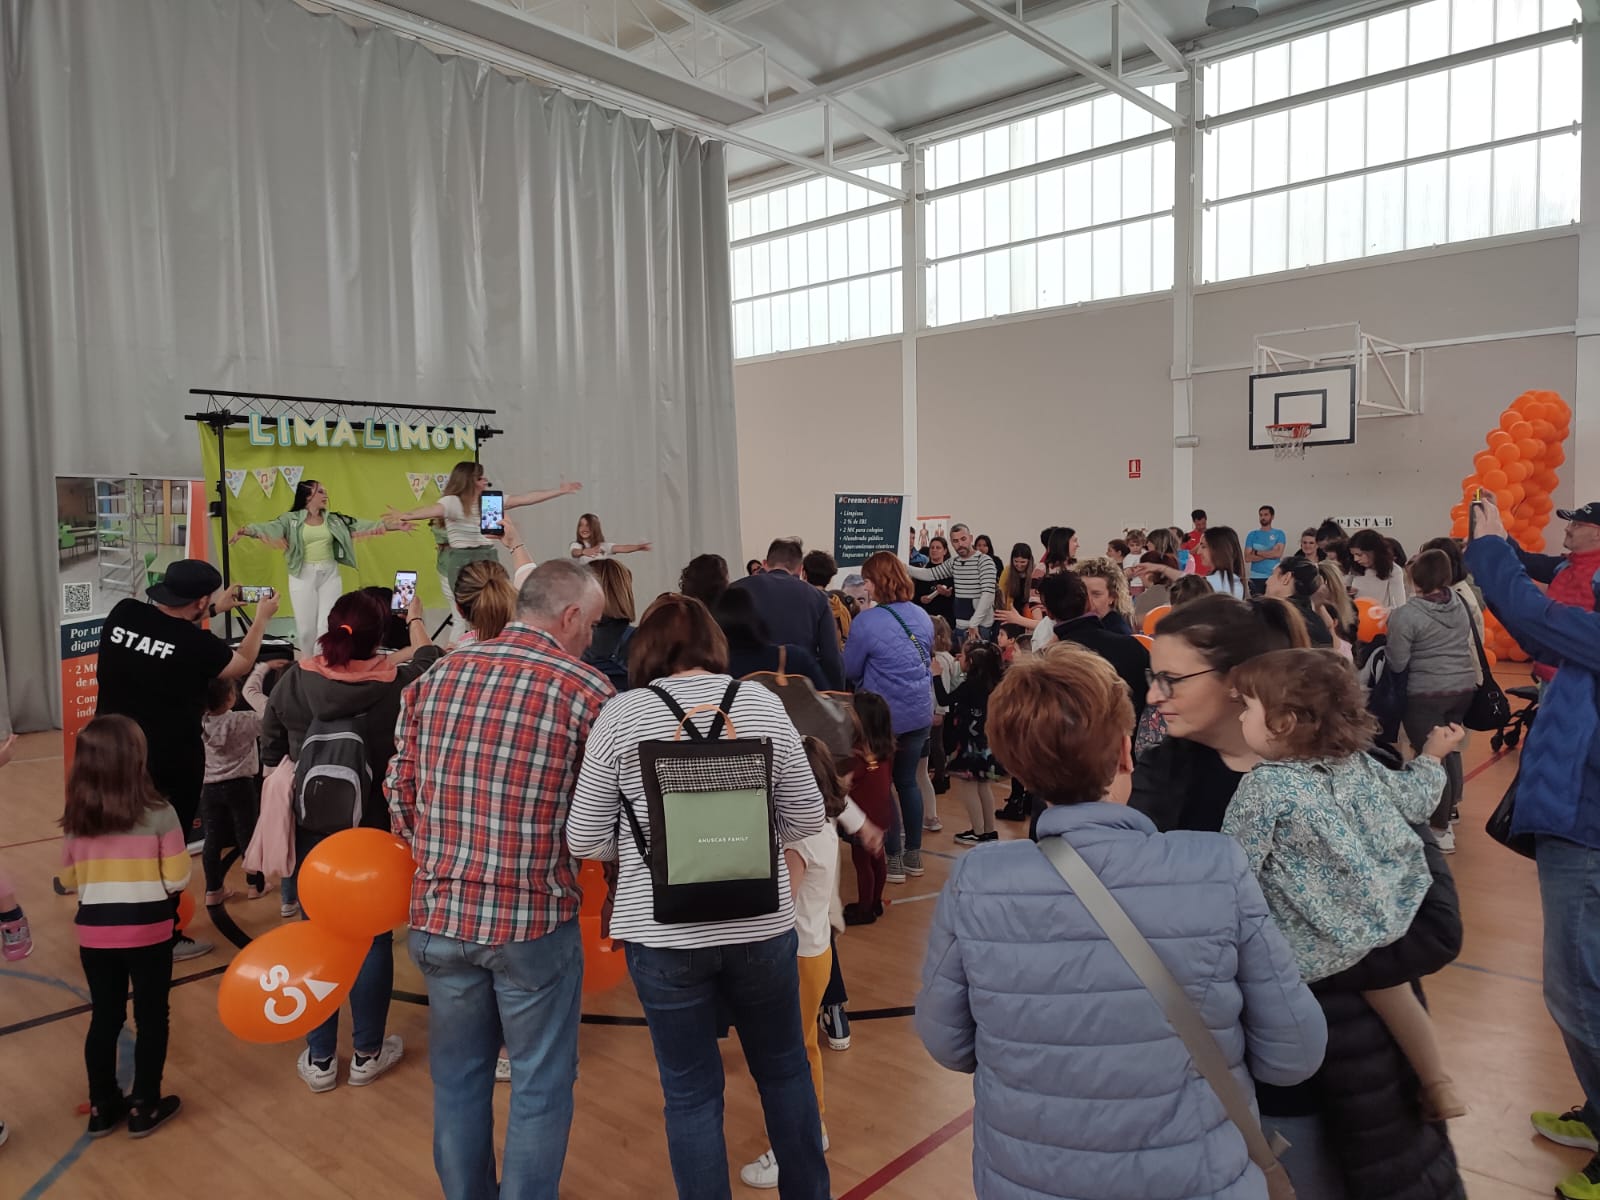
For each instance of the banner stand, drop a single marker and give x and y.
(269, 410)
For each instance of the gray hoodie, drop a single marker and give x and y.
(1434, 642)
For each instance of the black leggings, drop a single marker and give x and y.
(228, 814)
(109, 973)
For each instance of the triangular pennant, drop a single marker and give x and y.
(419, 483)
(291, 475)
(267, 477)
(440, 481)
(236, 481)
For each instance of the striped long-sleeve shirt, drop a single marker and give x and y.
(975, 579)
(126, 882)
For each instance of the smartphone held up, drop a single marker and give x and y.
(405, 590)
(492, 514)
(249, 594)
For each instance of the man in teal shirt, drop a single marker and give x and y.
(1263, 548)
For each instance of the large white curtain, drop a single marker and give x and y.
(245, 195)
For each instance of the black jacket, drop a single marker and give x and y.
(797, 614)
(1126, 655)
(1365, 1091)
(1316, 627)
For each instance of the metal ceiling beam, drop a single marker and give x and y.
(967, 37)
(456, 41)
(1049, 46)
(804, 88)
(1137, 12)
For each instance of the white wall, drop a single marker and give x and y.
(1029, 422)
(811, 425)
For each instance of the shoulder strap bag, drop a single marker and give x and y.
(1489, 710)
(899, 620)
(1208, 1058)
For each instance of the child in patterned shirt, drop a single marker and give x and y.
(1328, 831)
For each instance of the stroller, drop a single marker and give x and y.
(1509, 734)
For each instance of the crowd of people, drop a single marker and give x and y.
(1180, 717)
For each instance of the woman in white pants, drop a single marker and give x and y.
(316, 543)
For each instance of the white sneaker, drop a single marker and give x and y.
(286, 910)
(1446, 839)
(317, 1079)
(763, 1173)
(392, 1051)
(502, 1069)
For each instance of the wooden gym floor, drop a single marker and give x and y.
(898, 1123)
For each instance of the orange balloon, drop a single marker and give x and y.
(1145, 639)
(1555, 457)
(592, 882)
(1544, 430)
(1515, 492)
(1530, 448)
(1495, 481)
(1485, 462)
(287, 982)
(1518, 471)
(1153, 617)
(1507, 453)
(1497, 438)
(1491, 656)
(604, 963)
(1518, 430)
(1535, 543)
(1458, 528)
(358, 883)
(185, 910)
(1509, 418)
(1370, 627)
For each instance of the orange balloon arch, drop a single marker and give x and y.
(1518, 464)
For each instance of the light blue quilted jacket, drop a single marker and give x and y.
(1082, 1089)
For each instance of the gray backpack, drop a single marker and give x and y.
(332, 776)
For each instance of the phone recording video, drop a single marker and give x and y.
(405, 590)
(492, 514)
(253, 595)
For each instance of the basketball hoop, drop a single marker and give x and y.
(1289, 439)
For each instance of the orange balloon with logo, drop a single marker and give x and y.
(1370, 627)
(604, 963)
(185, 910)
(358, 883)
(287, 982)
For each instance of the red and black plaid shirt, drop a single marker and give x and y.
(487, 753)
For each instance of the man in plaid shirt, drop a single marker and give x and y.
(488, 747)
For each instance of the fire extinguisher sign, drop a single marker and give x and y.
(1135, 468)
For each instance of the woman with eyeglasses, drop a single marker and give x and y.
(1356, 1132)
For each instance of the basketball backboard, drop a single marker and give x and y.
(1322, 397)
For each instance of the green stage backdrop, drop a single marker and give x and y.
(362, 481)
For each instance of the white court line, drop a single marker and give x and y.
(893, 900)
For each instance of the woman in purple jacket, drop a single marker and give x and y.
(890, 651)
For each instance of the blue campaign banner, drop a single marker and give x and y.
(864, 525)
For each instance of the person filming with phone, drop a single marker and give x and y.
(315, 544)
(1557, 792)
(157, 661)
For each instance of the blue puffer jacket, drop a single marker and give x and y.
(1558, 792)
(1082, 1088)
(880, 657)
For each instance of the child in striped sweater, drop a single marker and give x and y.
(125, 855)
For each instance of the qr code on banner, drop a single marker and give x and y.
(77, 599)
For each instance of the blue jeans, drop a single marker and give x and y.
(1309, 1158)
(1569, 892)
(759, 983)
(905, 831)
(369, 1005)
(526, 996)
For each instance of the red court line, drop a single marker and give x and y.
(34, 842)
(887, 1174)
(1484, 766)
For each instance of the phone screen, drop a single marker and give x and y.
(405, 588)
(491, 513)
(254, 595)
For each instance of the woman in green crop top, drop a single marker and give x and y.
(316, 543)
